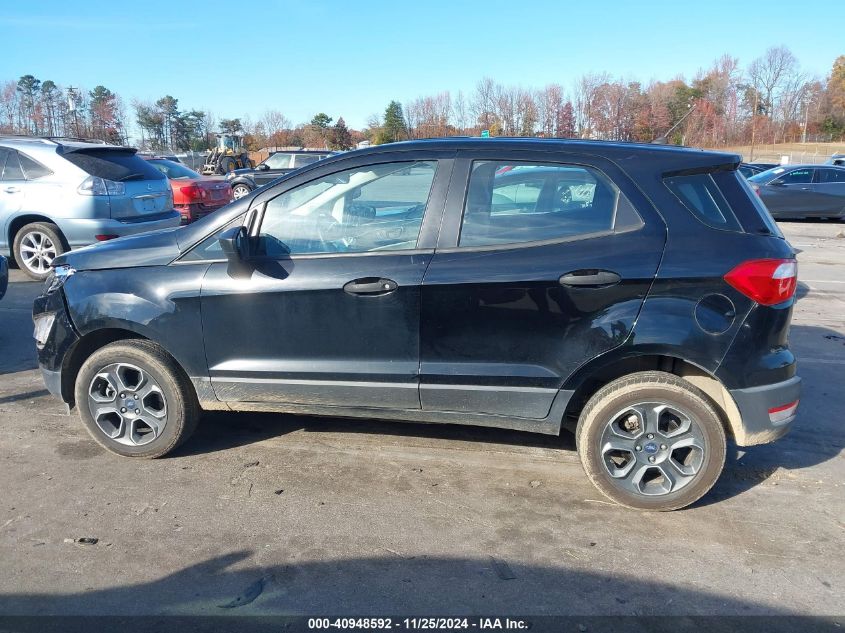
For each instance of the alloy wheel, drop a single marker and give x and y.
(127, 404)
(240, 191)
(37, 251)
(652, 448)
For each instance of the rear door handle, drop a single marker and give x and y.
(590, 278)
(372, 286)
(11, 190)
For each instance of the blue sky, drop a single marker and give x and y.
(351, 58)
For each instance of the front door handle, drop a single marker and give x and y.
(590, 278)
(11, 190)
(371, 286)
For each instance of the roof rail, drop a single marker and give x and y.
(27, 137)
(78, 139)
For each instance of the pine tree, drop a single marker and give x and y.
(341, 137)
(394, 128)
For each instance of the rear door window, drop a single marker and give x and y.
(113, 164)
(32, 169)
(700, 194)
(300, 160)
(12, 169)
(831, 175)
(535, 202)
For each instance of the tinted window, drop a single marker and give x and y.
(32, 168)
(372, 208)
(113, 164)
(174, 171)
(12, 169)
(532, 202)
(278, 161)
(699, 194)
(796, 177)
(831, 175)
(300, 160)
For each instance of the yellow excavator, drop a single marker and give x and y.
(229, 155)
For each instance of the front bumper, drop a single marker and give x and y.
(81, 232)
(762, 410)
(56, 339)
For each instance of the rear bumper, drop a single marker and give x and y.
(81, 232)
(762, 409)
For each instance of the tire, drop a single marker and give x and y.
(166, 399)
(657, 465)
(35, 247)
(240, 190)
(227, 164)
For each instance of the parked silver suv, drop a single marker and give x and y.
(57, 195)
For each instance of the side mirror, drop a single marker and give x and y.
(261, 167)
(777, 183)
(232, 242)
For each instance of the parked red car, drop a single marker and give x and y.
(194, 196)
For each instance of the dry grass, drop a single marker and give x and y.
(797, 152)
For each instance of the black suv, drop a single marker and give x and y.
(638, 295)
(245, 181)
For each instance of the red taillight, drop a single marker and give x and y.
(766, 281)
(193, 192)
(103, 238)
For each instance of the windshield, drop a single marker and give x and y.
(174, 171)
(766, 176)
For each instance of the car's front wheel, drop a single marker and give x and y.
(134, 399)
(651, 441)
(36, 246)
(240, 190)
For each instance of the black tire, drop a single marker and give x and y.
(180, 403)
(241, 190)
(227, 164)
(37, 267)
(642, 389)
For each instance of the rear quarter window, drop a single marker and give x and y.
(117, 165)
(701, 195)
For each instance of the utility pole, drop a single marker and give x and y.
(71, 103)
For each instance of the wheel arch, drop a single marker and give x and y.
(593, 376)
(16, 223)
(93, 341)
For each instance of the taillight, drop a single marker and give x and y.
(766, 281)
(193, 192)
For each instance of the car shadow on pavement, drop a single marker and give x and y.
(234, 585)
(219, 431)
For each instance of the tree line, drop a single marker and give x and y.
(771, 100)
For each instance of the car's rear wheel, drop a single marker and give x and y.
(134, 399)
(240, 190)
(36, 246)
(651, 441)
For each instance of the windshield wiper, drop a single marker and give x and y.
(132, 177)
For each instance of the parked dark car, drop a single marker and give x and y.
(245, 181)
(752, 169)
(802, 191)
(516, 283)
(4, 276)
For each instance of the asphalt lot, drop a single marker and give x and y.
(265, 514)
